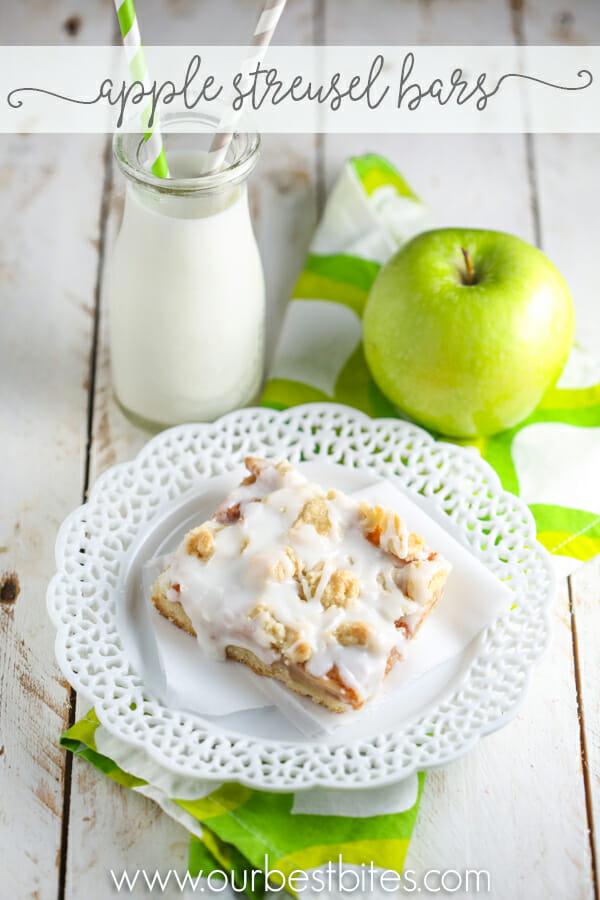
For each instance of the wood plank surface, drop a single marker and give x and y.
(564, 168)
(50, 199)
(514, 806)
(585, 620)
(521, 804)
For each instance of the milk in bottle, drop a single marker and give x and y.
(187, 299)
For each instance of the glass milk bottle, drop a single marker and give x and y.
(187, 297)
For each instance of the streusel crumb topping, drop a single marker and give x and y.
(308, 576)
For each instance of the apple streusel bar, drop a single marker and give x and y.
(311, 587)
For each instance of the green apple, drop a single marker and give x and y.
(464, 330)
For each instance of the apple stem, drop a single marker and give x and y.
(469, 278)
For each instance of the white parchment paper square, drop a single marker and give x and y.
(472, 600)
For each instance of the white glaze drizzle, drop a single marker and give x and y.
(221, 594)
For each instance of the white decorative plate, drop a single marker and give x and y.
(126, 520)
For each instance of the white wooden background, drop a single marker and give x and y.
(522, 803)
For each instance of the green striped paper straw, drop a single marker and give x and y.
(132, 41)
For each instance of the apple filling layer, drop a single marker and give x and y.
(310, 587)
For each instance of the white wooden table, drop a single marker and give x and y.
(522, 803)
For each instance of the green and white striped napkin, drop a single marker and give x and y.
(234, 828)
(551, 460)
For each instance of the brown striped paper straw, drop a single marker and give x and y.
(263, 33)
